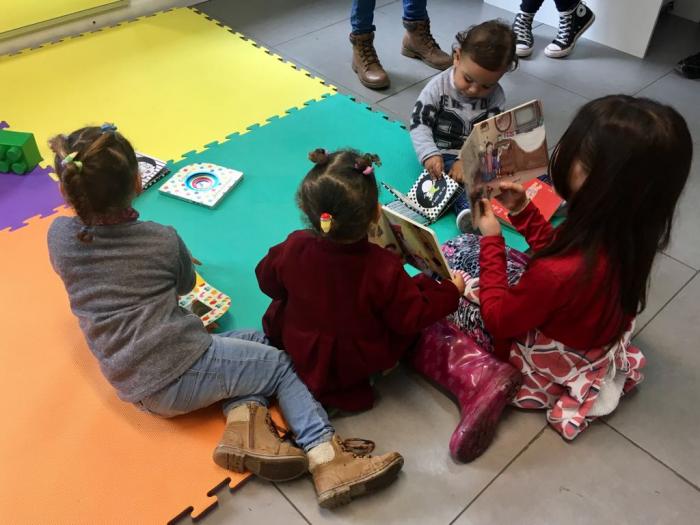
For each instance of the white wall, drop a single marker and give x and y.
(626, 25)
(135, 9)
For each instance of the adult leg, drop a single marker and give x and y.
(418, 42)
(365, 62)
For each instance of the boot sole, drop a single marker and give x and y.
(412, 54)
(271, 468)
(566, 52)
(346, 493)
(474, 441)
(371, 85)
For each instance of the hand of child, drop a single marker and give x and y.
(457, 172)
(435, 166)
(513, 197)
(458, 281)
(487, 222)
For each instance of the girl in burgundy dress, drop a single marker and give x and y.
(344, 308)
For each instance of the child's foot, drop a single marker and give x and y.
(464, 221)
(343, 470)
(522, 27)
(572, 24)
(251, 442)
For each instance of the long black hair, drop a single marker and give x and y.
(636, 153)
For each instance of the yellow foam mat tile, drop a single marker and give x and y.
(172, 82)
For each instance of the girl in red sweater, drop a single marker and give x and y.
(564, 318)
(344, 308)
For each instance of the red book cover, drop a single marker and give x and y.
(540, 193)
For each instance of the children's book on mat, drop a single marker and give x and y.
(510, 147)
(205, 301)
(151, 169)
(427, 200)
(414, 242)
(203, 183)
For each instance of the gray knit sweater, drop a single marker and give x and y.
(443, 117)
(123, 288)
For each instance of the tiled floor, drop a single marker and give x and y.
(642, 465)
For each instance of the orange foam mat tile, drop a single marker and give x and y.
(70, 451)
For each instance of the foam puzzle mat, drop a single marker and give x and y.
(187, 80)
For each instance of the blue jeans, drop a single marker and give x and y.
(362, 14)
(240, 367)
(461, 202)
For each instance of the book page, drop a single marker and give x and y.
(418, 244)
(510, 147)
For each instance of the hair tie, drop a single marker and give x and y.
(108, 126)
(70, 158)
(326, 219)
(369, 170)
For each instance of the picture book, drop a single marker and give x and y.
(151, 169)
(509, 147)
(427, 199)
(205, 301)
(540, 193)
(203, 183)
(414, 242)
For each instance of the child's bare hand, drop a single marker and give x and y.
(512, 196)
(458, 281)
(435, 166)
(487, 222)
(457, 172)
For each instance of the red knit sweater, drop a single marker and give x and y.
(551, 296)
(345, 311)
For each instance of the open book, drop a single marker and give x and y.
(414, 242)
(427, 200)
(510, 147)
(151, 169)
(205, 301)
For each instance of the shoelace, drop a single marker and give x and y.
(424, 32)
(565, 23)
(523, 27)
(358, 447)
(368, 54)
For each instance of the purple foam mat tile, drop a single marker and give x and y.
(24, 196)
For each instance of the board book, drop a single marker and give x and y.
(415, 243)
(151, 169)
(427, 200)
(205, 301)
(202, 183)
(509, 147)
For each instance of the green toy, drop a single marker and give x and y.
(18, 152)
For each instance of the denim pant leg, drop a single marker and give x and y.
(461, 202)
(239, 367)
(415, 10)
(362, 16)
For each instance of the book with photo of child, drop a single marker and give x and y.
(415, 243)
(427, 200)
(510, 147)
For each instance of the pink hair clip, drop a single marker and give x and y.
(369, 170)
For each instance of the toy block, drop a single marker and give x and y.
(18, 152)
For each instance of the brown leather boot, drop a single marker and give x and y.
(251, 442)
(418, 42)
(366, 63)
(343, 470)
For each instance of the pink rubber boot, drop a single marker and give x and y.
(482, 384)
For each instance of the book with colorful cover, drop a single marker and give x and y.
(415, 243)
(202, 183)
(205, 301)
(509, 147)
(427, 200)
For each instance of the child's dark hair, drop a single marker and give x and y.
(341, 184)
(636, 153)
(490, 44)
(97, 167)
